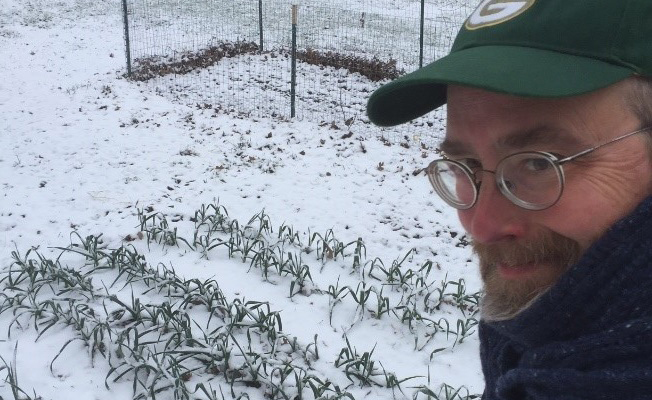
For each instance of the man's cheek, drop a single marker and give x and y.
(466, 217)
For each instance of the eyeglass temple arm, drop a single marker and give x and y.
(584, 152)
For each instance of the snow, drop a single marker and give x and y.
(82, 149)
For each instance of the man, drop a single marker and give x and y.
(548, 160)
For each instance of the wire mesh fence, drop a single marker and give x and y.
(247, 56)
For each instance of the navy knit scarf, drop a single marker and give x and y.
(590, 335)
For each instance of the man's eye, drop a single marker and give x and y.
(536, 164)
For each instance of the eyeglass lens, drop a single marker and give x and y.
(530, 180)
(453, 183)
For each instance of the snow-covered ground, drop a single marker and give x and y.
(83, 150)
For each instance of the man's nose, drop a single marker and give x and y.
(493, 217)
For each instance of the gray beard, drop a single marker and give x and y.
(499, 308)
(503, 298)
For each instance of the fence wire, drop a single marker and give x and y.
(214, 53)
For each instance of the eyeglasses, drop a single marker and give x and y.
(533, 180)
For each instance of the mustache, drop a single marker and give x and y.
(547, 247)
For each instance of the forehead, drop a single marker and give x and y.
(479, 119)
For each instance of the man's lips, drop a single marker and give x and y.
(517, 271)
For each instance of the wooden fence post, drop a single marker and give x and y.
(423, 12)
(260, 22)
(125, 17)
(293, 82)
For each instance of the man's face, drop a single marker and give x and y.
(521, 252)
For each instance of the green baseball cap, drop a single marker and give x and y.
(538, 48)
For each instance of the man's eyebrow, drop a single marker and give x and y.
(453, 148)
(539, 135)
(517, 140)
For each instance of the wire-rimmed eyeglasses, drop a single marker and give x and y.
(533, 180)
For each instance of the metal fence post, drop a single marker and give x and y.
(260, 22)
(293, 82)
(423, 12)
(125, 16)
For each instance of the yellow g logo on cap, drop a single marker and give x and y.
(492, 12)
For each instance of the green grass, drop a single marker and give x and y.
(182, 338)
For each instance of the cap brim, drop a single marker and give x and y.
(519, 71)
